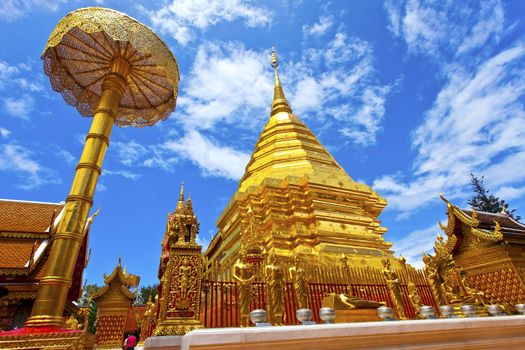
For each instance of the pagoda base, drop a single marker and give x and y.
(177, 327)
(46, 338)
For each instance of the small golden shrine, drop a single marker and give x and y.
(488, 249)
(295, 199)
(180, 273)
(113, 304)
(25, 232)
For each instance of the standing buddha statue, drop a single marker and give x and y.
(392, 282)
(243, 274)
(297, 276)
(274, 283)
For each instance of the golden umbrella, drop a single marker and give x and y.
(108, 65)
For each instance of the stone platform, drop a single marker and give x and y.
(498, 333)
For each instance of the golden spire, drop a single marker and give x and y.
(180, 204)
(279, 103)
(188, 203)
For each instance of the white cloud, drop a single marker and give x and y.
(19, 160)
(66, 156)
(204, 241)
(20, 76)
(319, 28)
(227, 83)
(19, 107)
(438, 27)
(180, 18)
(213, 159)
(510, 193)
(12, 10)
(476, 125)
(338, 77)
(5, 133)
(134, 154)
(412, 245)
(123, 173)
(491, 22)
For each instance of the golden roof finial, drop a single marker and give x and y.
(279, 104)
(180, 204)
(189, 205)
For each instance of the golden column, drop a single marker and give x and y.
(111, 66)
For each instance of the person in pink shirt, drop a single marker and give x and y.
(130, 342)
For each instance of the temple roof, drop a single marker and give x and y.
(488, 227)
(126, 281)
(507, 223)
(24, 232)
(23, 216)
(24, 245)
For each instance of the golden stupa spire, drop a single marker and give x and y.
(188, 203)
(279, 104)
(180, 204)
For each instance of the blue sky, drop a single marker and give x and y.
(409, 97)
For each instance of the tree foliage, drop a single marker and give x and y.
(482, 200)
(145, 292)
(92, 317)
(88, 291)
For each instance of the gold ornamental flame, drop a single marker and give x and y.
(81, 50)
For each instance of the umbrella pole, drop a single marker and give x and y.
(49, 304)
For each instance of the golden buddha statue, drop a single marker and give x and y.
(274, 283)
(243, 274)
(355, 303)
(299, 283)
(392, 282)
(414, 298)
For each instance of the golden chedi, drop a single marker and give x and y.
(295, 199)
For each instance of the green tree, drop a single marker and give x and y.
(482, 200)
(92, 317)
(88, 291)
(145, 292)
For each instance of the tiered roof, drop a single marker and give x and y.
(24, 234)
(25, 243)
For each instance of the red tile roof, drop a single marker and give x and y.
(16, 252)
(20, 216)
